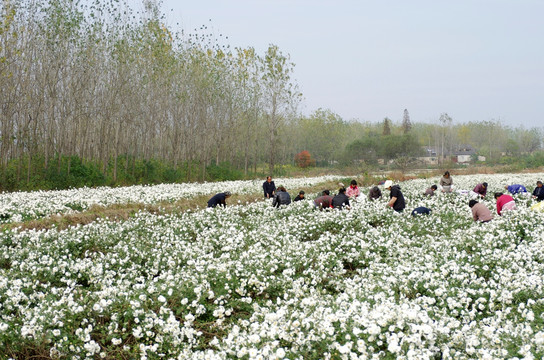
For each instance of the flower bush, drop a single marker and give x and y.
(250, 281)
(21, 206)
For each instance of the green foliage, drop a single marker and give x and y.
(534, 160)
(520, 162)
(393, 146)
(369, 148)
(324, 134)
(366, 149)
(65, 172)
(71, 171)
(222, 172)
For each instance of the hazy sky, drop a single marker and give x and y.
(474, 59)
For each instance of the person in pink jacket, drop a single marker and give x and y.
(504, 202)
(353, 190)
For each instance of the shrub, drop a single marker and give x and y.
(303, 159)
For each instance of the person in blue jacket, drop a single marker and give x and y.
(219, 199)
(515, 189)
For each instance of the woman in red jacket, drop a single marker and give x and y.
(504, 202)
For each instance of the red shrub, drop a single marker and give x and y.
(303, 159)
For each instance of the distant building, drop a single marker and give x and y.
(429, 157)
(463, 154)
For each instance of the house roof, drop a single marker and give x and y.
(463, 149)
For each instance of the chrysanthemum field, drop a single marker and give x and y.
(22, 206)
(254, 282)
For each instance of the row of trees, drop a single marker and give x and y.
(102, 83)
(330, 139)
(491, 139)
(95, 90)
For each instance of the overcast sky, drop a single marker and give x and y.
(474, 59)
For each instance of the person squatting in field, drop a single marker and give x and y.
(538, 192)
(300, 196)
(353, 190)
(219, 199)
(480, 190)
(269, 188)
(340, 200)
(446, 182)
(396, 198)
(430, 191)
(375, 193)
(422, 210)
(282, 197)
(480, 212)
(324, 201)
(515, 189)
(504, 202)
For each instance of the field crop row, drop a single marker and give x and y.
(22, 206)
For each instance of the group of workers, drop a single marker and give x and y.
(280, 195)
(480, 212)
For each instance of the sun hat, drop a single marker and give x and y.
(387, 183)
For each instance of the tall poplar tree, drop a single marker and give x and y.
(386, 126)
(280, 97)
(406, 123)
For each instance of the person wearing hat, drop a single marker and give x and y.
(396, 198)
(282, 197)
(300, 196)
(219, 199)
(481, 189)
